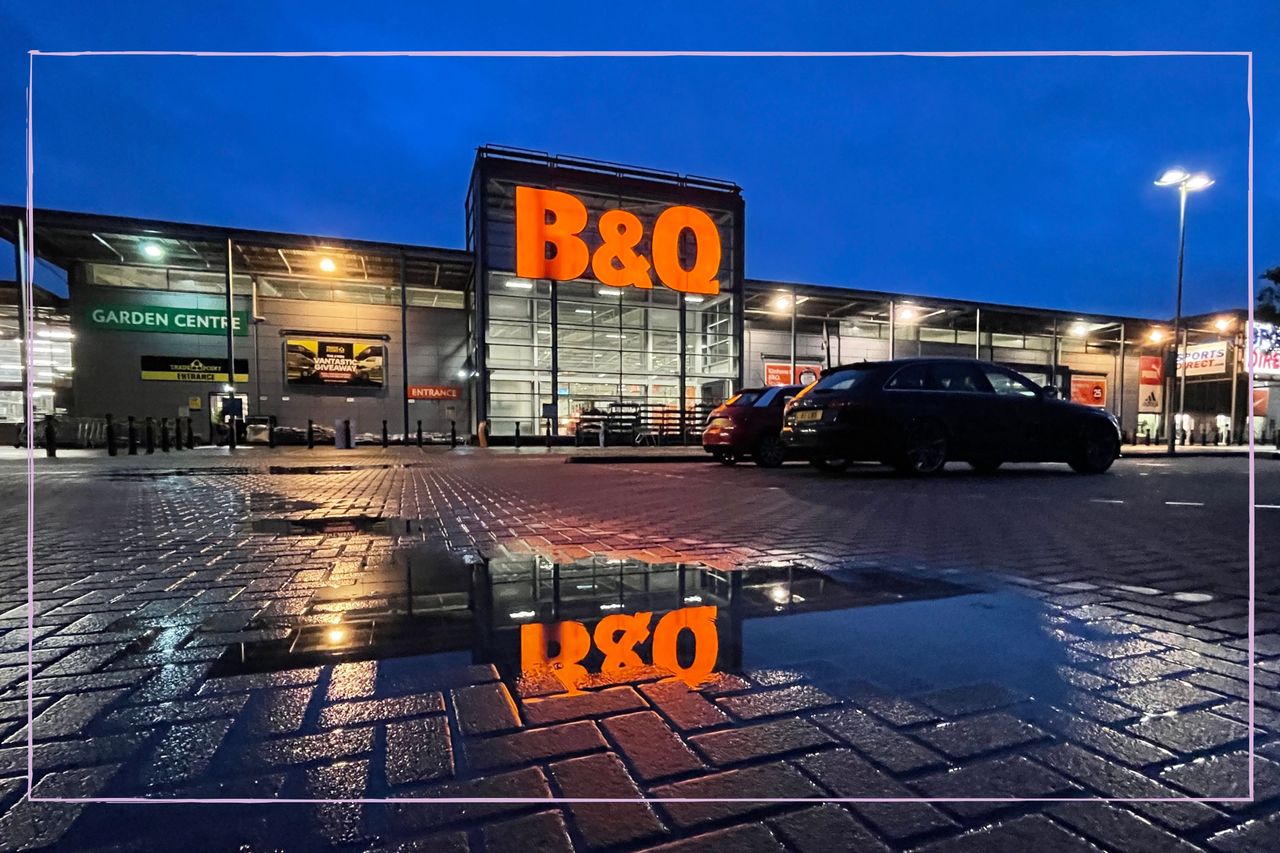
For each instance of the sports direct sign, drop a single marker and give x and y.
(1203, 359)
(1264, 354)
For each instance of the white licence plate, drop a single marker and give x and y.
(808, 415)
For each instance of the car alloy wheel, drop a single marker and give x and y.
(926, 448)
(1100, 448)
(769, 452)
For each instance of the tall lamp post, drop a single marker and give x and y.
(1186, 183)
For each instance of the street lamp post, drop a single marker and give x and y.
(1185, 183)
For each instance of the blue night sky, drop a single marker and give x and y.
(1009, 180)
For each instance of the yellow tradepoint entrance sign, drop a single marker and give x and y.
(174, 368)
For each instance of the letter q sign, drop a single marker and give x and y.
(556, 219)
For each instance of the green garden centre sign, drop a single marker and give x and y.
(157, 318)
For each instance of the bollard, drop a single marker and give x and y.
(150, 435)
(517, 435)
(419, 433)
(164, 434)
(50, 436)
(111, 436)
(271, 431)
(231, 434)
(311, 434)
(384, 432)
(453, 433)
(133, 437)
(548, 433)
(346, 434)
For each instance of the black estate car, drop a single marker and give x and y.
(917, 414)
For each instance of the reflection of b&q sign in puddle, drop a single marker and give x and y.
(617, 637)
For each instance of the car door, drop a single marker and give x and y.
(1018, 424)
(967, 402)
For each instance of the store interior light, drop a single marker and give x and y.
(608, 291)
(693, 298)
(152, 250)
(582, 310)
(55, 334)
(327, 265)
(519, 284)
(1222, 324)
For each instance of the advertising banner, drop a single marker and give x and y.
(1264, 356)
(1261, 402)
(435, 392)
(780, 373)
(340, 362)
(186, 368)
(159, 318)
(1207, 359)
(1150, 384)
(1089, 390)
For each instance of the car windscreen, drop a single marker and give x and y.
(743, 398)
(770, 397)
(842, 380)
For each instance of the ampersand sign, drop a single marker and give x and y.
(621, 232)
(620, 652)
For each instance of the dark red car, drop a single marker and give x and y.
(747, 424)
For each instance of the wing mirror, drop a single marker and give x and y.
(1050, 392)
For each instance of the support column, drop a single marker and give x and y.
(404, 349)
(20, 268)
(893, 332)
(977, 333)
(793, 335)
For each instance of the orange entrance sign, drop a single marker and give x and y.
(619, 637)
(551, 219)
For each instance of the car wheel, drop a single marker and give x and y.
(925, 449)
(1098, 449)
(769, 452)
(830, 464)
(985, 466)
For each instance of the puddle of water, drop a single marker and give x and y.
(339, 526)
(551, 627)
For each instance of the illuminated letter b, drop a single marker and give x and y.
(534, 233)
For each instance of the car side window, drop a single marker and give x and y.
(1010, 384)
(959, 377)
(914, 377)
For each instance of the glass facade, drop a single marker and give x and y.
(577, 351)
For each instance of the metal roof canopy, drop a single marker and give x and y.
(65, 238)
(815, 302)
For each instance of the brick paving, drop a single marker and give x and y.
(1017, 635)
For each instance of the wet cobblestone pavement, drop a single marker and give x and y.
(409, 624)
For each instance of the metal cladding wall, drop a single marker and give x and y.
(108, 362)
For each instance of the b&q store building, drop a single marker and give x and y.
(584, 287)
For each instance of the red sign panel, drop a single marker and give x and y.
(1261, 402)
(435, 392)
(1151, 370)
(780, 373)
(1089, 390)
